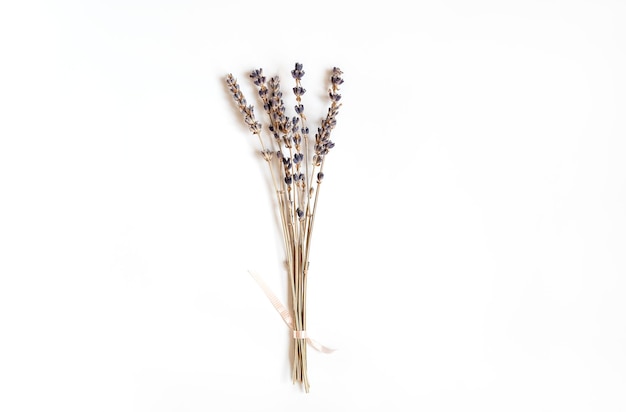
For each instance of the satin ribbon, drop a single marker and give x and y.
(284, 313)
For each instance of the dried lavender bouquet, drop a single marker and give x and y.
(296, 164)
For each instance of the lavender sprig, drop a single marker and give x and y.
(323, 144)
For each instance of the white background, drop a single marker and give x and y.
(469, 249)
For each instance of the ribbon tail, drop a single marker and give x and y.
(280, 308)
(319, 347)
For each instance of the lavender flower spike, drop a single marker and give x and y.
(246, 110)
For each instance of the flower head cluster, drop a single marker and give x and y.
(323, 144)
(289, 133)
(299, 159)
(246, 110)
(257, 77)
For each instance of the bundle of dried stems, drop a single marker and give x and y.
(296, 164)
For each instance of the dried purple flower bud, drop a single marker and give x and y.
(288, 180)
(267, 154)
(299, 91)
(300, 213)
(297, 73)
(320, 177)
(334, 96)
(287, 142)
(299, 108)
